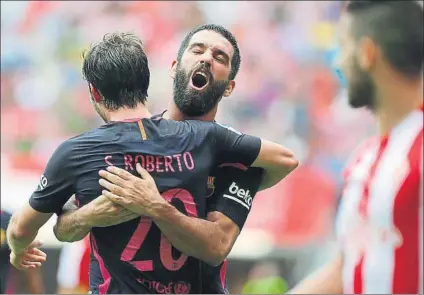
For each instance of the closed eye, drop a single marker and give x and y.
(220, 59)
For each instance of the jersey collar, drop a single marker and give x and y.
(160, 115)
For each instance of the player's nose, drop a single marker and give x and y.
(207, 57)
(205, 63)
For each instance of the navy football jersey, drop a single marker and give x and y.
(134, 257)
(4, 251)
(233, 191)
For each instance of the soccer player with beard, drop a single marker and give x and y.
(135, 257)
(200, 82)
(380, 223)
(207, 63)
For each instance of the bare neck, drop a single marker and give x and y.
(123, 114)
(173, 113)
(396, 101)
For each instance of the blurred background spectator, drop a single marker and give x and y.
(286, 92)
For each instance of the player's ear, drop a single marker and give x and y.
(173, 70)
(95, 93)
(230, 88)
(367, 54)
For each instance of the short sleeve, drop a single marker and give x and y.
(234, 193)
(235, 148)
(56, 184)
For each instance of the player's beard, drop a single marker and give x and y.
(361, 89)
(195, 103)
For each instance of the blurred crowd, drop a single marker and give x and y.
(286, 91)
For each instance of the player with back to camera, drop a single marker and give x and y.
(380, 223)
(183, 154)
(208, 54)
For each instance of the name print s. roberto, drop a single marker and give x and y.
(170, 163)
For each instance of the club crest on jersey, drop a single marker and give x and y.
(210, 186)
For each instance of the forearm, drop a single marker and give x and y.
(327, 280)
(23, 228)
(18, 238)
(273, 176)
(72, 226)
(277, 161)
(194, 237)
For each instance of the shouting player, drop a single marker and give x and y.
(209, 240)
(181, 155)
(380, 222)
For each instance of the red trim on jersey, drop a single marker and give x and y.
(84, 278)
(131, 120)
(406, 277)
(223, 273)
(103, 288)
(363, 206)
(235, 165)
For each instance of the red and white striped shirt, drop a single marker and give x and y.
(380, 222)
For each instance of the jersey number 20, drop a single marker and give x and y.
(165, 249)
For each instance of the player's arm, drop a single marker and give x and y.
(55, 187)
(23, 228)
(277, 161)
(75, 223)
(327, 280)
(208, 240)
(71, 226)
(230, 204)
(242, 150)
(211, 240)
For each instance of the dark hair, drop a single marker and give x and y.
(396, 26)
(118, 68)
(235, 62)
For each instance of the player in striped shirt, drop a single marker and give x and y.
(380, 224)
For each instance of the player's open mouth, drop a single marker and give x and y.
(199, 79)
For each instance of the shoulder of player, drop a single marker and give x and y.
(208, 127)
(91, 137)
(195, 125)
(228, 127)
(76, 143)
(213, 126)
